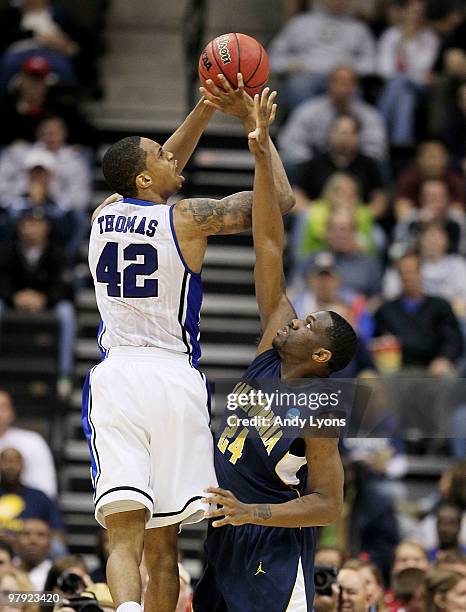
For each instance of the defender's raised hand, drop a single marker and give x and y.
(264, 111)
(230, 101)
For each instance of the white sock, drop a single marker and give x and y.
(129, 606)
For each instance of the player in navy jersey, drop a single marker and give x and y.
(275, 486)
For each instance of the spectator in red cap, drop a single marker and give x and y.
(43, 26)
(32, 98)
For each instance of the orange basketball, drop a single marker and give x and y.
(232, 53)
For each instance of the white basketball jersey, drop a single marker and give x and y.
(146, 294)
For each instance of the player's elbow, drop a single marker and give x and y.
(331, 508)
(335, 508)
(288, 202)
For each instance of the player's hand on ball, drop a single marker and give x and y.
(234, 511)
(231, 101)
(264, 110)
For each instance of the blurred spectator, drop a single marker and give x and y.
(6, 557)
(340, 193)
(385, 457)
(34, 278)
(349, 594)
(443, 274)
(445, 591)
(435, 207)
(16, 581)
(454, 132)
(373, 582)
(343, 156)
(409, 591)
(18, 502)
(425, 325)
(68, 226)
(406, 55)
(431, 344)
(369, 519)
(451, 68)
(99, 573)
(325, 286)
(329, 555)
(36, 24)
(38, 27)
(32, 99)
(70, 186)
(39, 469)
(312, 44)
(454, 561)
(446, 15)
(360, 272)
(307, 129)
(73, 564)
(432, 163)
(451, 488)
(33, 550)
(409, 555)
(378, 444)
(449, 518)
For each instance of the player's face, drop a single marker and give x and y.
(161, 167)
(302, 337)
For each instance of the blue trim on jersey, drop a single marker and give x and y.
(139, 202)
(175, 240)
(100, 334)
(88, 427)
(192, 320)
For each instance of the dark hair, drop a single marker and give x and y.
(343, 342)
(122, 162)
(7, 548)
(439, 581)
(406, 582)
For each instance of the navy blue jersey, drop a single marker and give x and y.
(253, 568)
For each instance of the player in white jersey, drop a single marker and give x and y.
(145, 409)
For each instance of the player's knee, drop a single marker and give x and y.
(126, 532)
(161, 551)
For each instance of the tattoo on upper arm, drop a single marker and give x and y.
(232, 214)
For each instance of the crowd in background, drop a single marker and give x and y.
(373, 136)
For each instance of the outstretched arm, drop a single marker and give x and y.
(183, 142)
(267, 227)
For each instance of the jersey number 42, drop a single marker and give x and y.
(107, 271)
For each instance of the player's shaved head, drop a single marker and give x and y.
(121, 164)
(343, 342)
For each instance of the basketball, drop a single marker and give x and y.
(233, 53)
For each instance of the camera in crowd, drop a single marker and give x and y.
(324, 577)
(73, 588)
